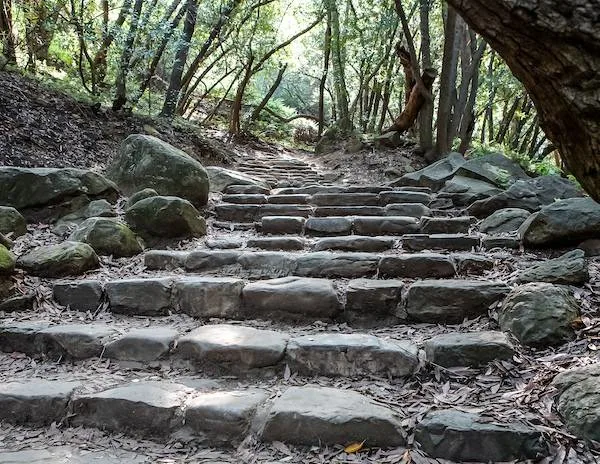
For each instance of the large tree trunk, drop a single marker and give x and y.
(553, 47)
(7, 38)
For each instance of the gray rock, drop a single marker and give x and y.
(285, 210)
(107, 237)
(143, 409)
(292, 297)
(209, 296)
(7, 261)
(225, 416)
(267, 264)
(237, 213)
(96, 208)
(35, 402)
(568, 269)
(392, 197)
(167, 217)
(80, 295)
(468, 349)
(140, 297)
(539, 314)
(494, 168)
(200, 260)
(351, 355)
(330, 264)
(20, 303)
(435, 175)
(244, 189)
(221, 179)
(442, 225)
(144, 161)
(388, 225)
(282, 225)
(48, 193)
(245, 199)
(345, 199)
(407, 209)
(529, 194)
(276, 243)
(224, 243)
(504, 221)
(326, 211)
(451, 301)
(462, 436)
(20, 337)
(500, 242)
(561, 223)
(146, 344)
(328, 416)
(64, 259)
(325, 226)
(74, 341)
(232, 347)
(464, 190)
(590, 247)
(460, 242)
(471, 263)
(372, 298)
(354, 243)
(69, 455)
(165, 259)
(141, 195)
(417, 265)
(579, 400)
(12, 222)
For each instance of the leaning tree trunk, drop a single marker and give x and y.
(553, 47)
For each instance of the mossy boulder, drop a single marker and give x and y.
(107, 237)
(141, 195)
(64, 259)
(144, 161)
(165, 217)
(7, 261)
(12, 222)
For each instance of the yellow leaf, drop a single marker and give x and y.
(354, 447)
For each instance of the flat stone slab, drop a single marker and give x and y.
(245, 189)
(292, 297)
(74, 341)
(351, 355)
(354, 243)
(140, 297)
(165, 259)
(385, 225)
(198, 261)
(471, 263)
(324, 211)
(451, 301)
(328, 416)
(568, 269)
(232, 347)
(69, 455)
(442, 225)
(345, 199)
(224, 416)
(455, 242)
(294, 199)
(407, 210)
(285, 210)
(208, 296)
(35, 401)
(267, 264)
(146, 344)
(142, 409)
(370, 298)
(462, 436)
(81, 295)
(406, 196)
(325, 226)
(21, 337)
(244, 198)
(500, 242)
(329, 264)
(237, 213)
(277, 243)
(417, 265)
(468, 349)
(282, 224)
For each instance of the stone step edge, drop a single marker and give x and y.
(387, 358)
(307, 415)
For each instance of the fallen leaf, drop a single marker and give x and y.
(354, 447)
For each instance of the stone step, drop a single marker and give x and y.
(296, 298)
(265, 264)
(376, 189)
(246, 190)
(253, 212)
(452, 242)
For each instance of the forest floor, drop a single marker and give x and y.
(43, 127)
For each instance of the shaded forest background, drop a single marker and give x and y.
(293, 70)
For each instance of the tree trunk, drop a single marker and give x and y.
(323, 82)
(172, 96)
(553, 47)
(7, 38)
(256, 113)
(426, 114)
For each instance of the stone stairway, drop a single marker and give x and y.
(314, 316)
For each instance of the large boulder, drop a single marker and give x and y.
(568, 269)
(7, 266)
(529, 194)
(540, 314)
(494, 168)
(504, 221)
(579, 400)
(464, 190)
(107, 237)
(96, 208)
(12, 222)
(435, 175)
(48, 193)
(221, 178)
(168, 217)
(147, 162)
(64, 259)
(562, 223)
